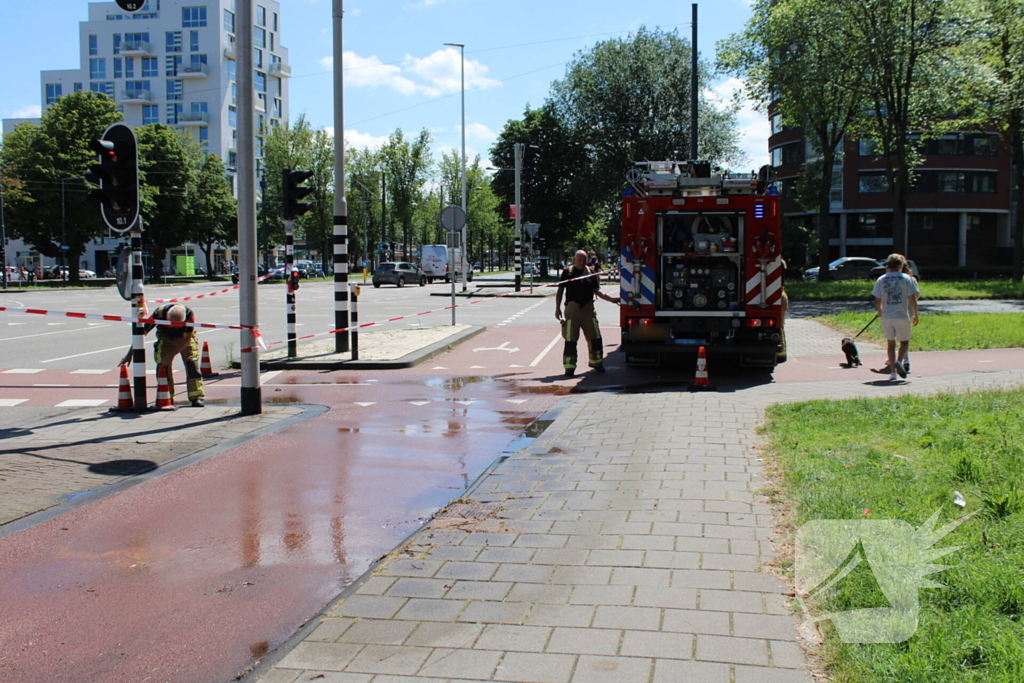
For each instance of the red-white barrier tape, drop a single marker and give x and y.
(125, 319)
(222, 291)
(259, 340)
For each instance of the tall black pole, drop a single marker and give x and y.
(340, 234)
(3, 236)
(693, 87)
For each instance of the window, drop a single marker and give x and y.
(232, 116)
(231, 70)
(174, 112)
(275, 21)
(106, 88)
(271, 41)
(229, 21)
(868, 148)
(137, 89)
(873, 183)
(117, 43)
(174, 89)
(129, 67)
(983, 182)
(261, 16)
(118, 68)
(193, 17)
(260, 124)
(261, 102)
(232, 159)
(197, 62)
(199, 108)
(950, 181)
(97, 68)
(234, 93)
(173, 63)
(150, 67)
(78, 86)
(278, 88)
(150, 114)
(277, 107)
(53, 92)
(259, 80)
(94, 45)
(257, 58)
(777, 126)
(193, 41)
(787, 154)
(174, 41)
(259, 37)
(204, 137)
(136, 41)
(983, 145)
(950, 145)
(835, 194)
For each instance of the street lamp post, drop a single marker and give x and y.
(63, 232)
(465, 245)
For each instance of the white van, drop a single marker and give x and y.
(434, 262)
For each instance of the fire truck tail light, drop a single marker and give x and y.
(760, 322)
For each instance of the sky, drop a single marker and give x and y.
(398, 72)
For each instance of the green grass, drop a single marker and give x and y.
(942, 331)
(856, 290)
(902, 458)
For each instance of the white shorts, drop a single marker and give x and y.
(896, 329)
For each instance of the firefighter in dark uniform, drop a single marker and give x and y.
(580, 314)
(174, 340)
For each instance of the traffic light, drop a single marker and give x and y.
(117, 174)
(293, 281)
(293, 194)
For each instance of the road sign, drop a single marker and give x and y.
(123, 271)
(64, 247)
(453, 218)
(131, 5)
(383, 246)
(531, 229)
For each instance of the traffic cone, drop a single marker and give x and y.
(124, 393)
(164, 400)
(700, 378)
(205, 369)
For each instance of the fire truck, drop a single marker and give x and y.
(701, 265)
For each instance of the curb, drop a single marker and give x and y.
(407, 361)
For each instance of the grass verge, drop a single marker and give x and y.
(857, 290)
(942, 331)
(903, 459)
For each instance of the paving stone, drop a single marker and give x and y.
(561, 556)
(657, 645)
(329, 629)
(616, 558)
(672, 560)
(602, 595)
(628, 618)
(636, 576)
(465, 553)
(512, 638)
(662, 596)
(592, 669)
(768, 626)
(589, 641)
(743, 563)
(484, 538)
(376, 585)
(524, 573)
(445, 634)
(478, 590)
(418, 588)
(499, 555)
(761, 674)
(389, 659)
(701, 578)
(636, 542)
(417, 609)
(735, 650)
(458, 663)
(701, 545)
(368, 606)
(378, 631)
(560, 615)
(476, 571)
(330, 677)
(696, 621)
(528, 667)
(786, 654)
(731, 601)
(580, 575)
(540, 593)
(320, 656)
(282, 676)
(420, 568)
(493, 612)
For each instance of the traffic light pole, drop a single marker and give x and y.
(518, 152)
(138, 309)
(248, 309)
(341, 339)
(289, 300)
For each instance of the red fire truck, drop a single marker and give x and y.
(701, 265)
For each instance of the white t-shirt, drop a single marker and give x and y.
(895, 290)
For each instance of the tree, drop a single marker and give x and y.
(363, 196)
(906, 51)
(788, 55)
(48, 162)
(407, 165)
(211, 212)
(168, 162)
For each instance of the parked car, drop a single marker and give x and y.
(846, 268)
(309, 269)
(880, 269)
(398, 273)
(527, 267)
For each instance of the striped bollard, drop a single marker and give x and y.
(354, 318)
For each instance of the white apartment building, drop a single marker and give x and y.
(173, 62)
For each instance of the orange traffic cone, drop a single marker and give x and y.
(164, 400)
(124, 393)
(205, 369)
(700, 378)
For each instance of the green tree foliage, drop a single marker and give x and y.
(168, 163)
(407, 165)
(41, 161)
(211, 212)
(363, 195)
(788, 54)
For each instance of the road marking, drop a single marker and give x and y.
(47, 334)
(465, 402)
(537, 360)
(517, 401)
(503, 347)
(89, 353)
(517, 366)
(419, 403)
(52, 324)
(51, 385)
(439, 367)
(369, 403)
(89, 372)
(267, 376)
(21, 371)
(477, 367)
(82, 403)
(986, 361)
(11, 402)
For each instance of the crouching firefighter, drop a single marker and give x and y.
(172, 340)
(579, 292)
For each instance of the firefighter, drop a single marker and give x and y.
(580, 313)
(174, 340)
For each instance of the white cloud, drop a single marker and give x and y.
(354, 139)
(754, 127)
(478, 131)
(434, 75)
(30, 111)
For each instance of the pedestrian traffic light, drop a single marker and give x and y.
(294, 194)
(117, 174)
(293, 281)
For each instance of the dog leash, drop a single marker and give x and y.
(867, 326)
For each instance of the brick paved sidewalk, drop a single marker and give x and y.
(625, 544)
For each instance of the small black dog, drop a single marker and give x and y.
(850, 349)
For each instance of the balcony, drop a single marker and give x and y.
(194, 118)
(280, 69)
(229, 51)
(260, 105)
(193, 71)
(137, 48)
(136, 96)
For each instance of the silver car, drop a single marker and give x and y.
(398, 273)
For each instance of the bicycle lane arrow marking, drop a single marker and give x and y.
(503, 347)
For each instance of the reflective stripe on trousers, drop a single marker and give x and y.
(583, 318)
(188, 346)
